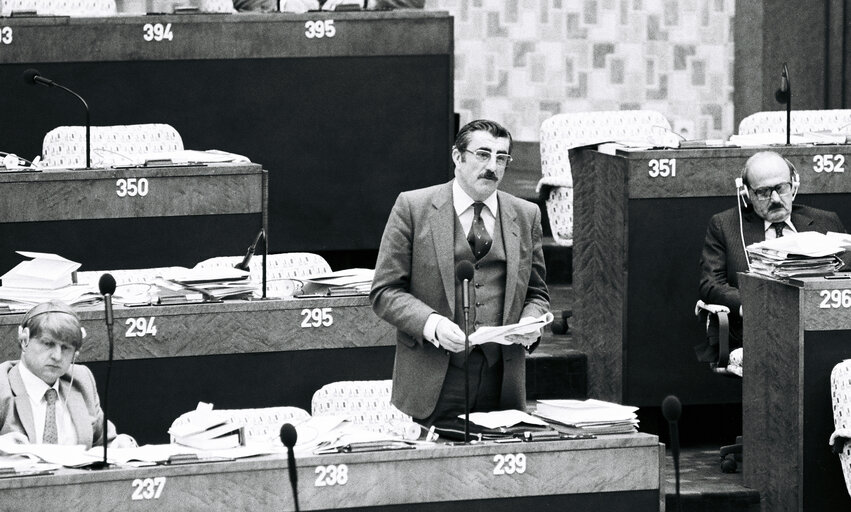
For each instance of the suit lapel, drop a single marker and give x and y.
(441, 216)
(511, 240)
(802, 222)
(754, 228)
(22, 402)
(79, 413)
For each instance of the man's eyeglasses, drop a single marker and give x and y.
(764, 193)
(484, 156)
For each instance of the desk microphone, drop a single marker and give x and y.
(243, 265)
(464, 272)
(106, 286)
(32, 77)
(672, 409)
(784, 95)
(289, 436)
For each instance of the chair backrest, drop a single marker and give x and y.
(217, 6)
(79, 8)
(262, 426)
(563, 132)
(284, 272)
(801, 121)
(65, 146)
(840, 394)
(365, 403)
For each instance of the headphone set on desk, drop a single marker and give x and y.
(11, 161)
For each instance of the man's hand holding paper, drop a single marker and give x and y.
(525, 332)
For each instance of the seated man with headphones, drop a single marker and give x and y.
(766, 189)
(45, 397)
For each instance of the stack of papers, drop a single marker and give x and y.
(767, 139)
(512, 333)
(808, 253)
(353, 281)
(44, 271)
(588, 416)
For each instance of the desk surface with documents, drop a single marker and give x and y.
(617, 473)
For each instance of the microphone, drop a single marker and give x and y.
(464, 272)
(106, 285)
(784, 95)
(672, 409)
(32, 77)
(243, 265)
(289, 436)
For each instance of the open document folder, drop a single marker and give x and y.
(508, 334)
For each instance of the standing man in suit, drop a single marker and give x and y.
(768, 189)
(415, 288)
(44, 397)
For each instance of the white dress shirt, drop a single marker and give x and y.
(770, 234)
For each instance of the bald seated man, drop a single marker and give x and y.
(771, 183)
(44, 397)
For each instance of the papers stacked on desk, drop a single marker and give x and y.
(588, 416)
(44, 271)
(353, 281)
(808, 253)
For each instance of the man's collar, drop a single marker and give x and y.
(788, 222)
(462, 201)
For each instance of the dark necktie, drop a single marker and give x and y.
(778, 228)
(50, 435)
(479, 239)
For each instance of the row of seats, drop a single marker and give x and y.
(564, 132)
(364, 403)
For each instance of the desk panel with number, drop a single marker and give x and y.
(803, 331)
(639, 224)
(615, 473)
(219, 189)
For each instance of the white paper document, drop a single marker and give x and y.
(508, 334)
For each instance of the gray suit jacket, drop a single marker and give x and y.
(415, 277)
(81, 398)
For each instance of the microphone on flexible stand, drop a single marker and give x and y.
(243, 265)
(289, 436)
(106, 286)
(784, 95)
(464, 272)
(672, 409)
(33, 77)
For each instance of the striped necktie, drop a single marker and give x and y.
(778, 228)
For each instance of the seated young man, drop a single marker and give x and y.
(44, 396)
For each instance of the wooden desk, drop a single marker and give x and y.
(220, 189)
(343, 117)
(638, 235)
(240, 354)
(239, 327)
(791, 347)
(617, 473)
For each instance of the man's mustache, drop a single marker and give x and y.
(488, 175)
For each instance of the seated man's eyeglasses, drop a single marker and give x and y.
(484, 156)
(764, 193)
